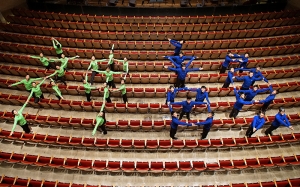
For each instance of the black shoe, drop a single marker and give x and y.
(174, 138)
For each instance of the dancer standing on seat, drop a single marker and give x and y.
(178, 46)
(201, 94)
(60, 71)
(226, 62)
(56, 90)
(187, 107)
(106, 96)
(257, 123)
(27, 82)
(178, 60)
(100, 121)
(182, 73)
(125, 66)
(266, 102)
(280, 119)
(111, 62)
(171, 94)
(247, 80)
(19, 119)
(175, 122)
(64, 61)
(58, 47)
(250, 94)
(229, 79)
(87, 88)
(240, 102)
(122, 89)
(94, 67)
(256, 74)
(36, 91)
(243, 60)
(109, 76)
(207, 124)
(47, 62)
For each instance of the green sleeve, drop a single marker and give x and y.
(58, 92)
(51, 79)
(53, 73)
(127, 69)
(17, 83)
(23, 107)
(14, 126)
(86, 78)
(101, 60)
(73, 57)
(34, 57)
(54, 43)
(42, 82)
(117, 72)
(122, 87)
(53, 60)
(89, 66)
(96, 126)
(36, 79)
(103, 105)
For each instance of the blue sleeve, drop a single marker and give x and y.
(167, 56)
(258, 79)
(244, 91)
(230, 77)
(182, 123)
(203, 123)
(206, 96)
(254, 121)
(236, 93)
(187, 57)
(228, 58)
(189, 63)
(180, 89)
(287, 121)
(265, 100)
(175, 43)
(281, 121)
(168, 96)
(175, 64)
(199, 103)
(262, 90)
(208, 108)
(271, 88)
(245, 60)
(245, 69)
(192, 69)
(237, 56)
(178, 103)
(247, 102)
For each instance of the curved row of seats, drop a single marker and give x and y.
(82, 34)
(151, 92)
(135, 107)
(137, 78)
(147, 166)
(148, 54)
(135, 125)
(173, 27)
(153, 19)
(147, 45)
(156, 65)
(149, 144)
(7, 181)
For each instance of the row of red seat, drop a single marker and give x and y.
(148, 45)
(145, 78)
(15, 181)
(151, 92)
(150, 54)
(150, 27)
(153, 19)
(209, 35)
(148, 144)
(136, 125)
(155, 65)
(147, 166)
